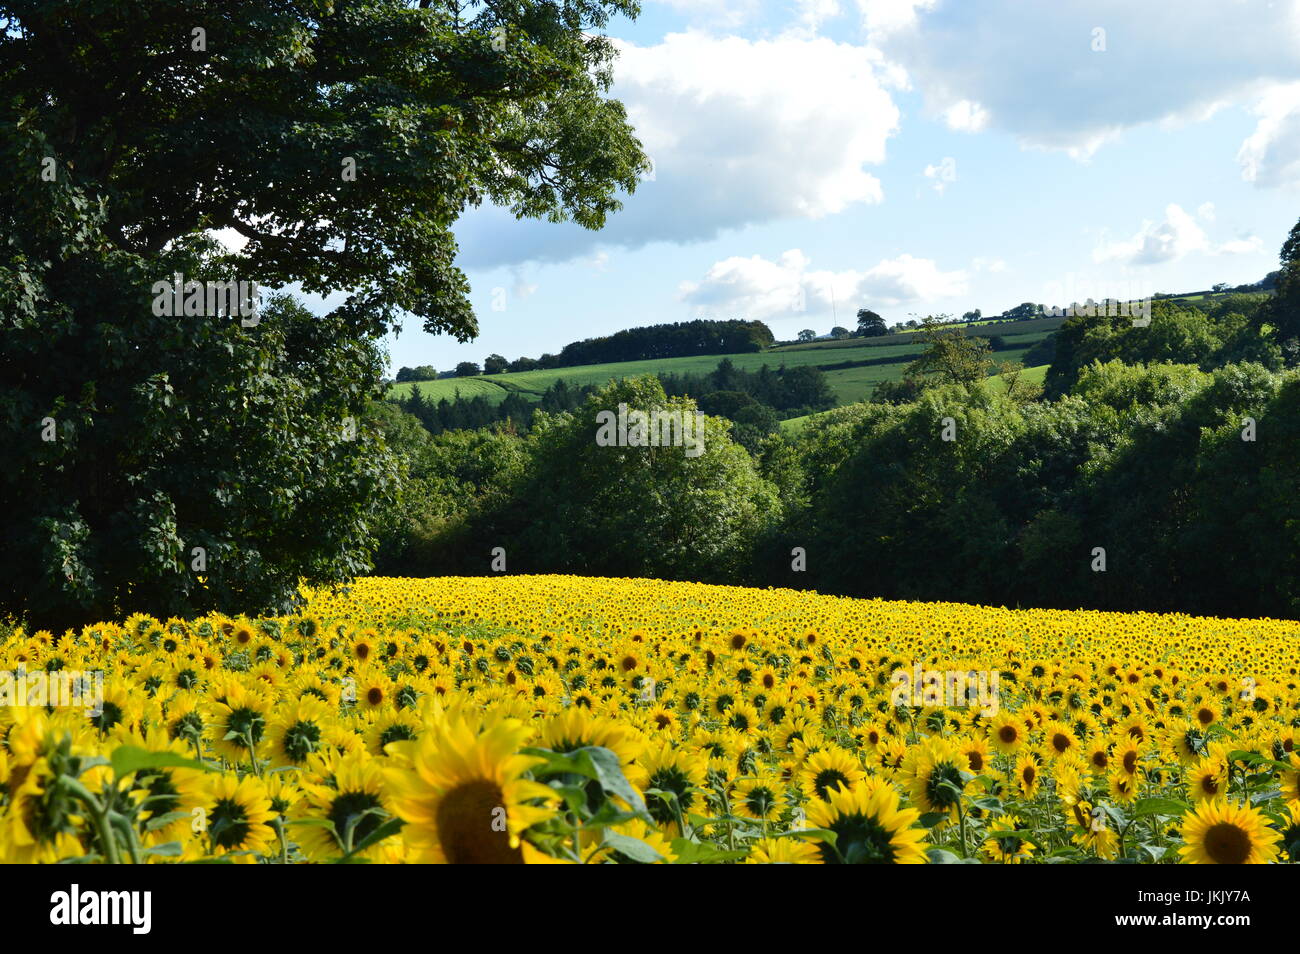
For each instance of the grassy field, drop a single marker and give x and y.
(888, 354)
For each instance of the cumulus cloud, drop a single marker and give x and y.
(942, 174)
(741, 132)
(1270, 156)
(759, 288)
(1037, 72)
(1175, 237)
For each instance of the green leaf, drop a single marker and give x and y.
(696, 853)
(633, 848)
(940, 856)
(1160, 806)
(170, 849)
(386, 830)
(129, 758)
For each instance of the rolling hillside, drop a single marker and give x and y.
(853, 366)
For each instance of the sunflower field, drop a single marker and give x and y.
(557, 719)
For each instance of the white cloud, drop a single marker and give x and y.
(1169, 240)
(943, 174)
(881, 17)
(1205, 212)
(741, 132)
(966, 116)
(1270, 156)
(1032, 71)
(716, 13)
(231, 239)
(993, 265)
(760, 288)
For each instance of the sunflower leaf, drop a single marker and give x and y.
(129, 758)
(633, 848)
(1160, 806)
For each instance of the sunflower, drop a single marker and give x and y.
(976, 750)
(827, 770)
(236, 720)
(1123, 787)
(758, 798)
(1096, 754)
(1208, 779)
(463, 793)
(1218, 832)
(935, 775)
(1027, 775)
(869, 826)
(1291, 781)
(1004, 846)
(1290, 831)
(235, 816)
(676, 772)
(1094, 835)
(353, 801)
(392, 725)
(1182, 742)
(1007, 733)
(784, 851)
(296, 731)
(1127, 757)
(1058, 740)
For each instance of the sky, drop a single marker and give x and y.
(914, 157)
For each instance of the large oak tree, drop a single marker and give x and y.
(341, 140)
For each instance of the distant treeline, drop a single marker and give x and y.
(677, 340)
(754, 401)
(682, 339)
(797, 391)
(469, 414)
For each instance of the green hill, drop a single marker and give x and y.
(853, 366)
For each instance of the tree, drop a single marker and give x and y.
(870, 325)
(494, 364)
(523, 364)
(950, 356)
(807, 335)
(466, 369)
(342, 142)
(972, 315)
(642, 510)
(1284, 313)
(839, 332)
(424, 372)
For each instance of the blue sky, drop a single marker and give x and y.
(914, 157)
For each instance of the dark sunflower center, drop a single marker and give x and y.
(110, 716)
(939, 794)
(827, 779)
(465, 826)
(1227, 844)
(228, 824)
(351, 808)
(396, 733)
(861, 841)
(301, 739)
(246, 723)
